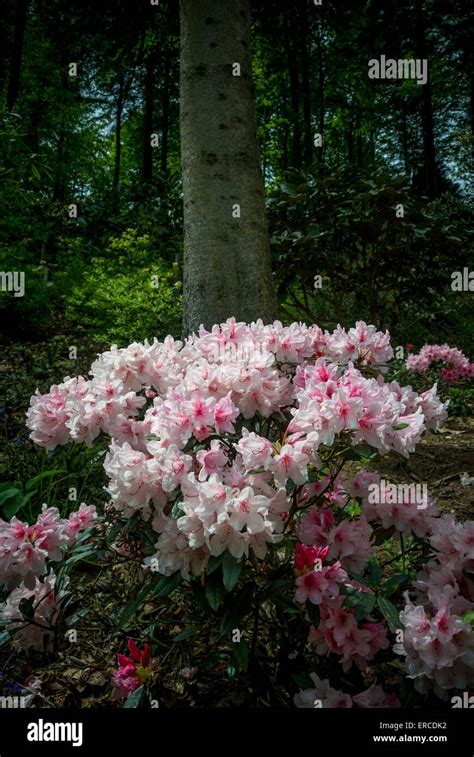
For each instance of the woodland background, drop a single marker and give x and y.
(85, 140)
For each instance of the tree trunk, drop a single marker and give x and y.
(165, 104)
(16, 54)
(118, 144)
(226, 258)
(305, 84)
(404, 138)
(58, 184)
(471, 103)
(292, 64)
(321, 83)
(147, 158)
(430, 165)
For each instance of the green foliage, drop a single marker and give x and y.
(121, 297)
(345, 228)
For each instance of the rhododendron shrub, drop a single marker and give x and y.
(231, 451)
(452, 364)
(27, 552)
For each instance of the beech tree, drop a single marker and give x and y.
(226, 249)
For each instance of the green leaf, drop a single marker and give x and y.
(214, 563)
(238, 608)
(8, 494)
(133, 606)
(375, 571)
(45, 474)
(357, 577)
(390, 612)
(12, 508)
(400, 426)
(187, 633)
(7, 635)
(231, 570)
(365, 606)
(362, 602)
(468, 617)
(26, 607)
(313, 613)
(394, 583)
(168, 584)
(214, 590)
(133, 701)
(81, 553)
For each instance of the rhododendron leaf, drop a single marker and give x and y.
(214, 591)
(168, 584)
(113, 532)
(468, 617)
(285, 604)
(26, 607)
(187, 633)
(13, 506)
(214, 563)
(375, 571)
(364, 606)
(7, 635)
(275, 587)
(86, 550)
(357, 577)
(135, 698)
(231, 570)
(390, 612)
(400, 426)
(240, 654)
(31, 483)
(239, 607)
(394, 583)
(302, 680)
(314, 614)
(8, 494)
(133, 606)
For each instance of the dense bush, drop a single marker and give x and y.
(241, 482)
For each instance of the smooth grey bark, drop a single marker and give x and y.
(226, 262)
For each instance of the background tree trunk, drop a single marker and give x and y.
(305, 83)
(165, 106)
(17, 52)
(147, 159)
(292, 63)
(226, 259)
(118, 144)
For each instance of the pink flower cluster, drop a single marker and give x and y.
(25, 549)
(47, 601)
(324, 696)
(338, 631)
(393, 506)
(438, 644)
(215, 382)
(458, 365)
(199, 447)
(385, 416)
(133, 671)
